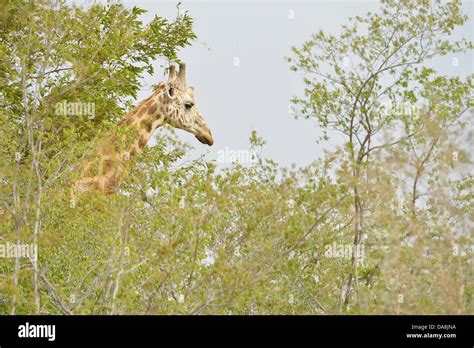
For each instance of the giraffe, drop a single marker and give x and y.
(172, 102)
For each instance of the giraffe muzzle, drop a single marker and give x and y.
(205, 137)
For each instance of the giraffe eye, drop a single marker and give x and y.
(188, 105)
(171, 92)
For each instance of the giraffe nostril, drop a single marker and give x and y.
(188, 105)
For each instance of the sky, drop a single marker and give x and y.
(241, 79)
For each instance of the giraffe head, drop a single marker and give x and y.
(180, 110)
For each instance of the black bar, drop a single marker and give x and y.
(218, 330)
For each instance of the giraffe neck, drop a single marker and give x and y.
(106, 169)
(144, 119)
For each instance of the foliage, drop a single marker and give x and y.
(373, 85)
(184, 237)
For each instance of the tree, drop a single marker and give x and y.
(373, 80)
(51, 53)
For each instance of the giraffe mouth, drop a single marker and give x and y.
(205, 139)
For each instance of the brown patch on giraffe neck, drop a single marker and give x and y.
(108, 164)
(142, 142)
(152, 109)
(142, 111)
(147, 124)
(158, 89)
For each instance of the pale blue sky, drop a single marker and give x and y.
(255, 95)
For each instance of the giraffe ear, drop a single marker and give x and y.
(170, 91)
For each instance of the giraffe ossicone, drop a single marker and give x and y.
(172, 102)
